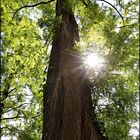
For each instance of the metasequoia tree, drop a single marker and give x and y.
(68, 113)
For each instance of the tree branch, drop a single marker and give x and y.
(15, 117)
(114, 8)
(33, 5)
(14, 108)
(18, 117)
(6, 128)
(12, 90)
(133, 24)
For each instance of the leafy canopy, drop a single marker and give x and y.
(26, 42)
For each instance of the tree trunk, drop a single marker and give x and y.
(68, 113)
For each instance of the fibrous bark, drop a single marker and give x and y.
(68, 113)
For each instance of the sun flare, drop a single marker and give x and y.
(94, 61)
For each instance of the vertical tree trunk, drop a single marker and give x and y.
(68, 113)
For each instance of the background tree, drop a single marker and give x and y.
(28, 38)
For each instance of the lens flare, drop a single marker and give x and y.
(94, 61)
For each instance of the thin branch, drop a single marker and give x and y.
(114, 8)
(12, 90)
(121, 5)
(33, 5)
(6, 128)
(17, 117)
(6, 93)
(14, 108)
(127, 25)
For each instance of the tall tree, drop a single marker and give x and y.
(109, 29)
(68, 112)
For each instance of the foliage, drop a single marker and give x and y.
(26, 42)
(23, 63)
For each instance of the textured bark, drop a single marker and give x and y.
(68, 113)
